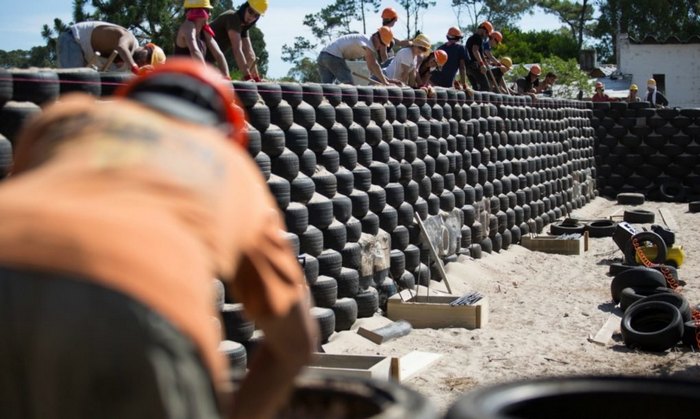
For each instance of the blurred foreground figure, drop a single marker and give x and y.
(115, 220)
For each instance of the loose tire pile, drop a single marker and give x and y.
(649, 151)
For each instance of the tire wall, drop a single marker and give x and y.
(350, 166)
(480, 173)
(647, 150)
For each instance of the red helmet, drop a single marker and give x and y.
(454, 32)
(496, 36)
(599, 85)
(389, 14)
(178, 74)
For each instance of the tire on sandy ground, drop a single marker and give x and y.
(694, 206)
(325, 317)
(580, 397)
(690, 336)
(639, 216)
(345, 310)
(601, 228)
(652, 326)
(637, 277)
(562, 227)
(630, 295)
(630, 198)
(677, 300)
(642, 238)
(321, 395)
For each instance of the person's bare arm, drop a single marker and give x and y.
(213, 47)
(287, 347)
(479, 59)
(237, 51)
(190, 37)
(250, 57)
(380, 48)
(405, 75)
(125, 48)
(373, 66)
(463, 73)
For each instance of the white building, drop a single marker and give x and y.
(672, 63)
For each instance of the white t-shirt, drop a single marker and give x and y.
(349, 47)
(404, 57)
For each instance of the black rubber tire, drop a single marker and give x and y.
(254, 140)
(309, 265)
(325, 182)
(111, 81)
(273, 141)
(259, 116)
(219, 294)
(694, 206)
(5, 86)
(335, 236)
(644, 237)
(280, 189)
(282, 115)
(311, 241)
(13, 116)
(271, 93)
(581, 397)
(629, 295)
(342, 207)
(561, 227)
(639, 216)
(38, 86)
(325, 317)
(601, 228)
(354, 229)
(293, 240)
(330, 263)
(312, 94)
(307, 162)
(296, 217)
(324, 395)
(83, 80)
(630, 198)
(320, 210)
(247, 92)
(286, 165)
(652, 326)
(616, 268)
(6, 158)
(324, 291)
(637, 277)
(237, 327)
(690, 337)
(677, 300)
(348, 283)
(367, 302)
(332, 93)
(236, 355)
(345, 310)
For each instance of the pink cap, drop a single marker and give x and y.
(195, 14)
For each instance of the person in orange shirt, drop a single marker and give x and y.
(115, 219)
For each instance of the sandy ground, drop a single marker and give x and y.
(543, 308)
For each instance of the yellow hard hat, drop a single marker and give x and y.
(507, 62)
(651, 81)
(422, 41)
(634, 87)
(157, 53)
(197, 4)
(259, 6)
(386, 35)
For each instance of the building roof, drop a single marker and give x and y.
(651, 40)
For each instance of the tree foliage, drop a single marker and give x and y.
(576, 15)
(535, 46)
(499, 12)
(639, 18)
(35, 57)
(414, 9)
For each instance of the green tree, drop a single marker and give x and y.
(36, 57)
(535, 46)
(499, 12)
(577, 16)
(304, 67)
(639, 18)
(413, 9)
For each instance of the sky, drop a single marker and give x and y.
(20, 25)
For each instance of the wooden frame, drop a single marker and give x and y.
(434, 311)
(375, 367)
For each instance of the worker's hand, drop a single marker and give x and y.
(482, 69)
(145, 69)
(395, 82)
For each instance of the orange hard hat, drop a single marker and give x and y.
(497, 36)
(487, 26)
(440, 57)
(454, 32)
(386, 35)
(536, 69)
(599, 85)
(389, 14)
(184, 77)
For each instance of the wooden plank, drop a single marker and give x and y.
(433, 252)
(611, 326)
(435, 311)
(385, 334)
(669, 220)
(414, 362)
(377, 367)
(553, 245)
